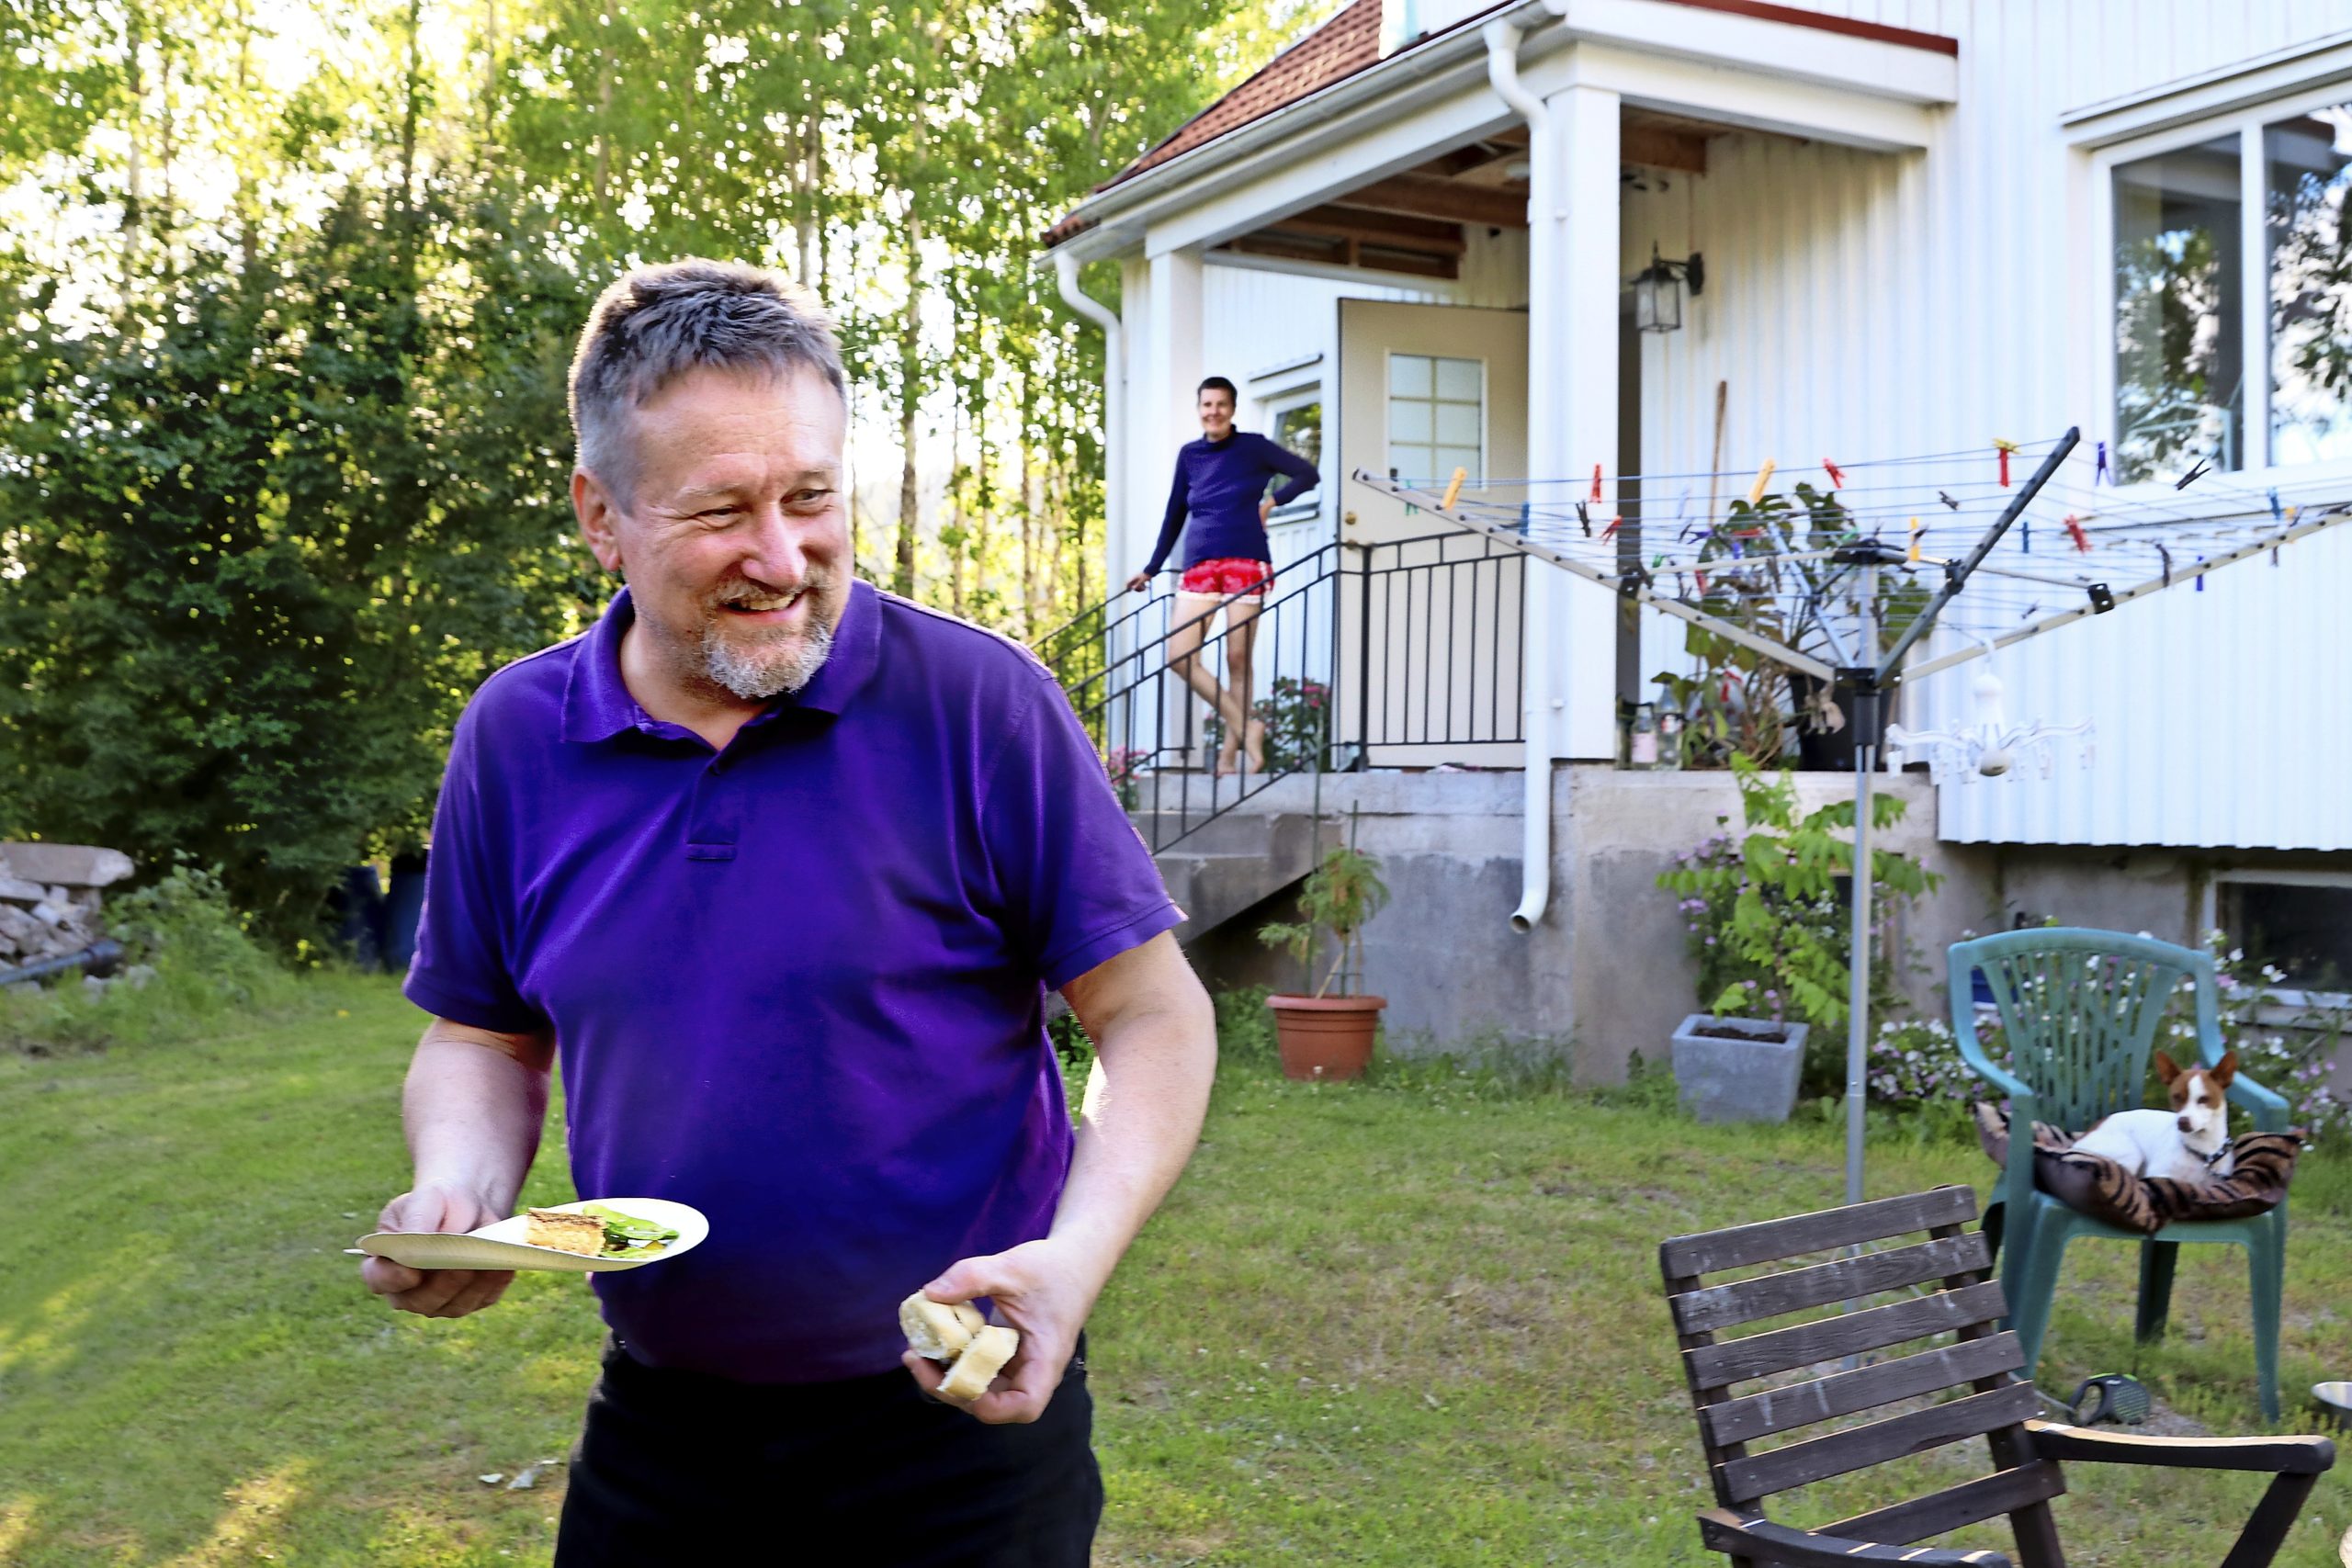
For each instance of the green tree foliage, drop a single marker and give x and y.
(291, 290)
(266, 533)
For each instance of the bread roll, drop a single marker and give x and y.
(939, 1330)
(990, 1349)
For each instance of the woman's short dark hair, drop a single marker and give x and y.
(1218, 384)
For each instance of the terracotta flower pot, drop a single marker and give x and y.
(1326, 1037)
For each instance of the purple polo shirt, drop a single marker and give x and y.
(797, 984)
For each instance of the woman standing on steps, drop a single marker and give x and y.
(1221, 482)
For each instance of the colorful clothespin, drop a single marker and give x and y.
(1763, 478)
(1837, 479)
(2166, 555)
(1915, 540)
(1610, 531)
(2191, 478)
(2101, 473)
(2025, 535)
(1596, 481)
(2275, 513)
(2075, 529)
(2200, 576)
(1947, 500)
(2003, 448)
(1453, 489)
(1584, 520)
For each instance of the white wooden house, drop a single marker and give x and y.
(1414, 232)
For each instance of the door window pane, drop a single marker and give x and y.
(2308, 166)
(1299, 428)
(1442, 426)
(2179, 356)
(2305, 932)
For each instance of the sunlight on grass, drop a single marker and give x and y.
(45, 1344)
(16, 1519)
(251, 1522)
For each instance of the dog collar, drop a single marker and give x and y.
(2215, 1157)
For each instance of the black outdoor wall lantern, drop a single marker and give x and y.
(1657, 291)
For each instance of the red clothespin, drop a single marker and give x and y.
(1837, 479)
(1596, 481)
(1605, 532)
(2075, 529)
(2004, 449)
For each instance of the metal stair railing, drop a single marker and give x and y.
(1404, 650)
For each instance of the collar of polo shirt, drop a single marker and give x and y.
(597, 705)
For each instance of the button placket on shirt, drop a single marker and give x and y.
(715, 821)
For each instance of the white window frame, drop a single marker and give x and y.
(1272, 406)
(2289, 1004)
(2253, 326)
(1486, 403)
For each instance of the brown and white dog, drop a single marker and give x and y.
(2189, 1143)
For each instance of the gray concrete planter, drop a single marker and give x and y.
(1747, 1079)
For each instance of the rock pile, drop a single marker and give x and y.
(49, 898)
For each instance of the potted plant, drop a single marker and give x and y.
(1328, 1034)
(1770, 933)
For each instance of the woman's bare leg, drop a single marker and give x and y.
(1240, 644)
(1193, 612)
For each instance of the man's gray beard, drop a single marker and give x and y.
(765, 669)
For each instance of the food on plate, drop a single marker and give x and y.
(595, 1231)
(566, 1232)
(990, 1349)
(938, 1329)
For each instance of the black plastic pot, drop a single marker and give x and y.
(1828, 752)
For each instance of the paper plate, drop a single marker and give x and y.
(502, 1245)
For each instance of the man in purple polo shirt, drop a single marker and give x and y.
(780, 868)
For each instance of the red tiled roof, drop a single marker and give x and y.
(1351, 42)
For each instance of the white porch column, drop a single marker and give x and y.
(1165, 388)
(1573, 307)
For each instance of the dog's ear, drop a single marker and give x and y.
(2225, 1069)
(2166, 1068)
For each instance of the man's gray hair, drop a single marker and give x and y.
(654, 324)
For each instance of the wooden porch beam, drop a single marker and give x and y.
(1421, 195)
(1342, 253)
(1375, 228)
(1660, 148)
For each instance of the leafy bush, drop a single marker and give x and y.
(1766, 925)
(2293, 1055)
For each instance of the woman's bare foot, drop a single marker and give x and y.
(1253, 745)
(1228, 760)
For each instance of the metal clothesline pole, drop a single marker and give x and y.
(1865, 705)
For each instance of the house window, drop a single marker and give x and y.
(2299, 924)
(2232, 296)
(1298, 425)
(1437, 418)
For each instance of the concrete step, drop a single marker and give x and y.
(1236, 863)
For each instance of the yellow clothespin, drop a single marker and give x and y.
(1763, 478)
(1915, 538)
(1453, 487)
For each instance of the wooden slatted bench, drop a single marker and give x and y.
(1948, 1297)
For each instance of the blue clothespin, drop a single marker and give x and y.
(2275, 515)
(2101, 472)
(2025, 535)
(2200, 578)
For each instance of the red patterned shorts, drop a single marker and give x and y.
(1227, 576)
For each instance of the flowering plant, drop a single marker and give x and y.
(2285, 1048)
(1121, 765)
(1293, 716)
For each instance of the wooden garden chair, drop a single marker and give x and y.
(1942, 1288)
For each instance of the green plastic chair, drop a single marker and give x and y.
(2079, 1010)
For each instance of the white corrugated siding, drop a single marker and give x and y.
(1859, 304)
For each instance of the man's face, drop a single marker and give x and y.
(1217, 413)
(736, 542)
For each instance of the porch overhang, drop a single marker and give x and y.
(1743, 64)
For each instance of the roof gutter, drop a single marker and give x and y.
(1459, 47)
(1115, 383)
(1544, 239)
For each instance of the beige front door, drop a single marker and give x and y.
(1429, 612)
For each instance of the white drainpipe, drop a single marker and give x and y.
(1114, 382)
(1543, 254)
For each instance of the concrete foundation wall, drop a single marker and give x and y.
(1608, 972)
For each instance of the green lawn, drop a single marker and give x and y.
(1410, 1323)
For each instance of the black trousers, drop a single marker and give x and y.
(682, 1468)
